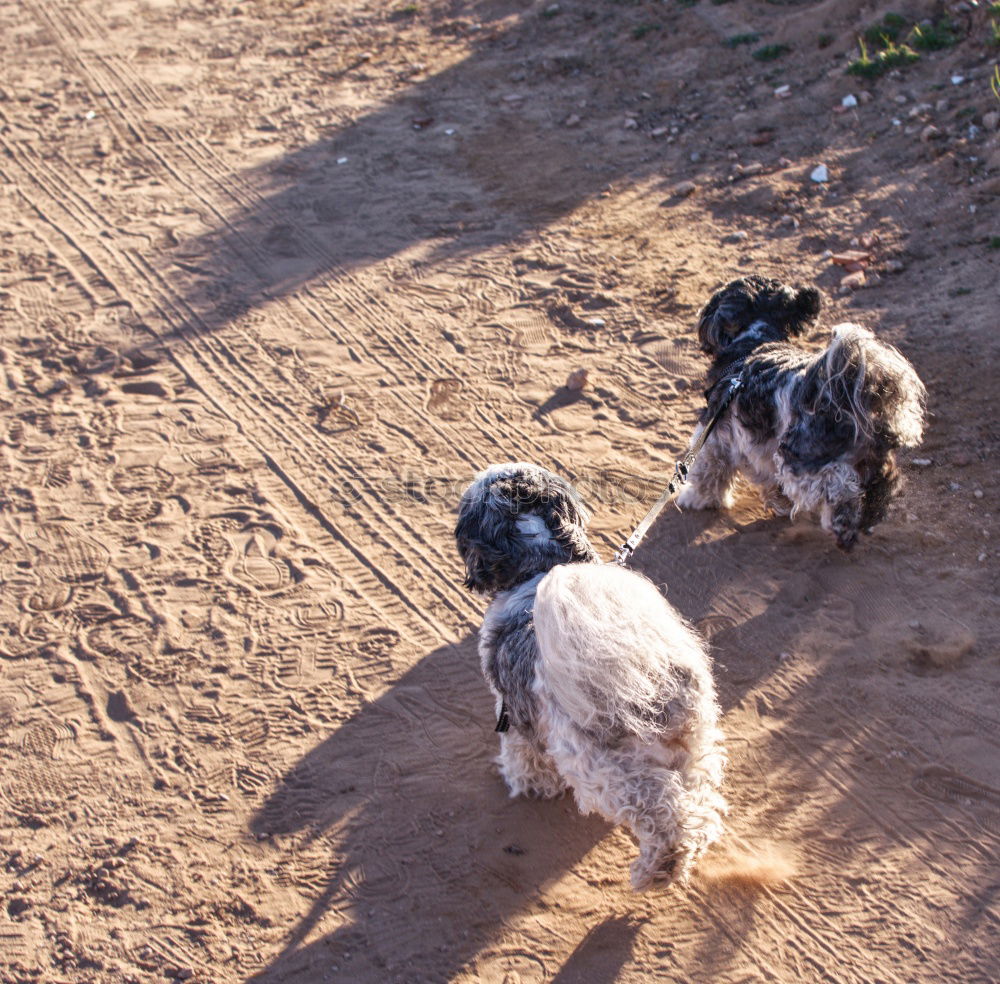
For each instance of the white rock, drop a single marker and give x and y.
(820, 174)
(849, 101)
(782, 92)
(922, 462)
(957, 79)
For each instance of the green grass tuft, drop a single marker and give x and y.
(771, 51)
(891, 56)
(935, 37)
(737, 39)
(889, 29)
(643, 29)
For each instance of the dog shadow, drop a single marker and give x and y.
(424, 856)
(602, 953)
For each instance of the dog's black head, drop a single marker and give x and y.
(518, 520)
(781, 312)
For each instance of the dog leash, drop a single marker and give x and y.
(681, 470)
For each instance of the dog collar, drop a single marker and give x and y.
(503, 718)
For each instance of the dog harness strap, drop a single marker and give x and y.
(503, 719)
(680, 477)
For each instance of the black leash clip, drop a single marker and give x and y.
(503, 719)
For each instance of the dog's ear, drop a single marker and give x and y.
(805, 307)
(483, 536)
(566, 517)
(728, 312)
(714, 328)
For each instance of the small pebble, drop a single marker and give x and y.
(685, 188)
(978, 493)
(783, 92)
(922, 462)
(576, 380)
(820, 174)
(849, 101)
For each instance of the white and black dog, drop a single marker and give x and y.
(601, 685)
(815, 431)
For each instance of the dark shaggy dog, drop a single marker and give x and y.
(815, 431)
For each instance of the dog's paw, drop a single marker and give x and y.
(692, 497)
(658, 871)
(776, 501)
(533, 784)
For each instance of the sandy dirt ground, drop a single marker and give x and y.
(276, 278)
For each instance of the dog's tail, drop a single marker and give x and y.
(617, 659)
(873, 385)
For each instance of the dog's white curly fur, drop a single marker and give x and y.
(610, 692)
(627, 712)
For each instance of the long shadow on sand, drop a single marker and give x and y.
(483, 167)
(428, 857)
